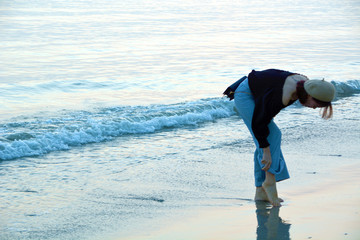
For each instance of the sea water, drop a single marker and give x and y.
(112, 115)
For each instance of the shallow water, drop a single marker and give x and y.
(112, 116)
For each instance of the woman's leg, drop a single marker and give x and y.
(245, 105)
(278, 170)
(269, 186)
(259, 174)
(278, 166)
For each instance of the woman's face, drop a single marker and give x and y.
(311, 103)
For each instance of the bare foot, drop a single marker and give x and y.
(271, 192)
(269, 186)
(260, 195)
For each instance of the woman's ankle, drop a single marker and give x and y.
(269, 179)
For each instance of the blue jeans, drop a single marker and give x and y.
(245, 105)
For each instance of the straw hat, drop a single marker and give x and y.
(320, 90)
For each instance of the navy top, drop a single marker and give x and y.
(267, 89)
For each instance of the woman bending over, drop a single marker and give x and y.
(259, 97)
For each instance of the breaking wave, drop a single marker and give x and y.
(39, 135)
(42, 135)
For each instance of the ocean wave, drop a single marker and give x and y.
(39, 135)
(43, 135)
(346, 89)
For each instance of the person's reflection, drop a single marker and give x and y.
(270, 225)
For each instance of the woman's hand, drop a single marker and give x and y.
(266, 159)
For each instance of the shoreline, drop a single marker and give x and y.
(328, 209)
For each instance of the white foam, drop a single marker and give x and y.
(79, 129)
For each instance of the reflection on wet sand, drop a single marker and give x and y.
(270, 225)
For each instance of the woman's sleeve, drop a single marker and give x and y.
(265, 109)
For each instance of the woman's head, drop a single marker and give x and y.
(316, 94)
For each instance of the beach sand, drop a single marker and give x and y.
(327, 209)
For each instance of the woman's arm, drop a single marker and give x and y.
(266, 107)
(266, 159)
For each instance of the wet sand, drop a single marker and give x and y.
(328, 209)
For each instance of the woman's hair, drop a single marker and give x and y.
(326, 107)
